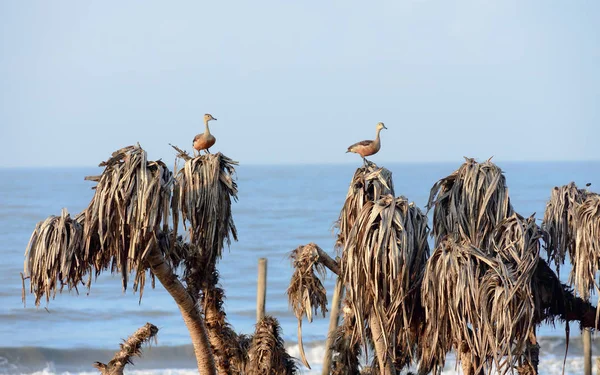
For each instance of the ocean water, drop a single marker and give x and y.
(279, 208)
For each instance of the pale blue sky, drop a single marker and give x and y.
(298, 81)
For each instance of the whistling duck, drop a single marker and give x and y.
(205, 140)
(366, 148)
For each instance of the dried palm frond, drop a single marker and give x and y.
(306, 293)
(129, 348)
(54, 257)
(368, 184)
(479, 303)
(469, 203)
(586, 256)
(382, 267)
(129, 206)
(559, 221)
(205, 187)
(267, 355)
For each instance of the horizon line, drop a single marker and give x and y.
(297, 164)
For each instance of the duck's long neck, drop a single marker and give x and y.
(377, 136)
(206, 128)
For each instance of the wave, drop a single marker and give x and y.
(172, 360)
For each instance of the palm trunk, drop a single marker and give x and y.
(131, 347)
(189, 311)
(385, 362)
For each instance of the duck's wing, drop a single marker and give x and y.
(198, 136)
(361, 143)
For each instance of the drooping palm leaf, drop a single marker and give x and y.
(368, 184)
(306, 293)
(559, 221)
(54, 257)
(382, 267)
(205, 188)
(586, 258)
(481, 303)
(130, 205)
(470, 202)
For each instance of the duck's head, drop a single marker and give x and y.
(208, 117)
(380, 126)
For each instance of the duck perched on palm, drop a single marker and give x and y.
(205, 140)
(369, 147)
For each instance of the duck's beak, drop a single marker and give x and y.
(214, 118)
(384, 127)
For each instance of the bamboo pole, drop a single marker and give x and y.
(333, 323)
(261, 291)
(587, 351)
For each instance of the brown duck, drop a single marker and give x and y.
(367, 148)
(205, 140)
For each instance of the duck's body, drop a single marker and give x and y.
(370, 147)
(205, 140)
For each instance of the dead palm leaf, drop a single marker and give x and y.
(205, 188)
(306, 293)
(470, 202)
(559, 221)
(130, 205)
(481, 303)
(382, 266)
(368, 184)
(54, 257)
(585, 259)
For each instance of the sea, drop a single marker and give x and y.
(280, 207)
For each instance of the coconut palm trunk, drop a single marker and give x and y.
(189, 311)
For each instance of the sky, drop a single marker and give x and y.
(299, 81)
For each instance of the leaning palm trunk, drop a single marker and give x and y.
(382, 267)
(129, 348)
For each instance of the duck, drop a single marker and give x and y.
(369, 147)
(205, 140)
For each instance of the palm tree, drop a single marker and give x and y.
(125, 229)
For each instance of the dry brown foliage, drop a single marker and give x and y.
(205, 188)
(469, 203)
(306, 293)
(368, 184)
(382, 267)
(267, 355)
(586, 258)
(559, 221)
(54, 256)
(482, 303)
